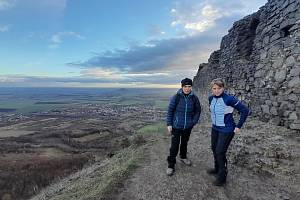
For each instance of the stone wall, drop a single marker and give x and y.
(260, 61)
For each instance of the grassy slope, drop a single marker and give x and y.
(101, 182)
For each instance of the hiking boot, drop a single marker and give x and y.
(170, 171)
(219, 182)
(221, 179)
(186, 161)
(212, 171)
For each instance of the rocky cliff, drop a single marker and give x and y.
(259, 59)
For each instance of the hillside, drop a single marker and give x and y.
(268, 168)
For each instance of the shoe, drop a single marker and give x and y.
(219, 183)
(170, 171)
(186, 161)
(212, 171)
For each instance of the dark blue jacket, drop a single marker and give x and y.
(187, 112)
(221, 108)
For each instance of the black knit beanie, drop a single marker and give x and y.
(186, 81)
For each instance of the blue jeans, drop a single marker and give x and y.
(219, 145)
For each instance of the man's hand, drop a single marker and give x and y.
(237, 130)
(169, 129)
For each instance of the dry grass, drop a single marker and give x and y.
(100, 183)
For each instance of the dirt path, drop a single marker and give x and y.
(151, 181)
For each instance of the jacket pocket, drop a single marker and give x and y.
(175, 121)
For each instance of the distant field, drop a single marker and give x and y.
(7, 109)
(28, 105)
(161, 104)
(27, 100)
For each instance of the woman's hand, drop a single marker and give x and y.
(237, 130)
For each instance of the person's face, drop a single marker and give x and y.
(187, 89)
(217, 90)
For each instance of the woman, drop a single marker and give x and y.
(223, 127)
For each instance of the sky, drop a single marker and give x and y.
(111, 43)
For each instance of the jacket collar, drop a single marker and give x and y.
(180, 92)
(219, 95)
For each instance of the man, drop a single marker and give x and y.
(183, 114)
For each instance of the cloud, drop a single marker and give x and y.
(116, 76)
(100, 78)
(19, 80)
(104, 74)
(6, 4)
(156, 31)
(200, 19)
(167, 77)
(57, 38)
(157, 55)
(199, 16)
(4, 28)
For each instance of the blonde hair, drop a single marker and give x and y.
(219, 82)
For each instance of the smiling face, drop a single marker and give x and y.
(187, 89)
(217, 90)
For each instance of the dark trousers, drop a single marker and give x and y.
(179, 138)
(219, 145)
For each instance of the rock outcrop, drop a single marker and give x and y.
(259, 59)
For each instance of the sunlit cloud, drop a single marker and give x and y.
(101, 78)
(12, 79)
(107, 74)
(199, 16)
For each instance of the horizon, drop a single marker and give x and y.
(155, 86)
(111, 44)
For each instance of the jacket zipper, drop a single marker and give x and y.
(215, 112)
(185, 98)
